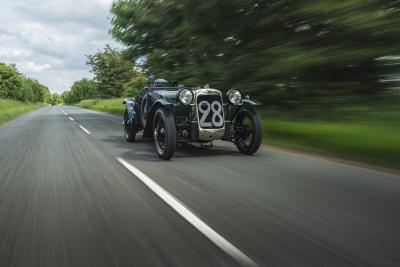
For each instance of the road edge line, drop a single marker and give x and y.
(190, 217)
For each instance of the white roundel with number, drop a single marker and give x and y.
(210, 114)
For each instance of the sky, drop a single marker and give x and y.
(48, 39)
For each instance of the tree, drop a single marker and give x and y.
(40, 92)
(111, 71)
(278, 49)
(134, 86)
(84, 89)
(81, 90)
(55, 99)
(16, 86)
(10, 82)
(67, 97)
(26, 91)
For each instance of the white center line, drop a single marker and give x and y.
(84, 129)
(71, 118)
(189, 216)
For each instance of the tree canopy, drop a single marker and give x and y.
(16, 86)
(114, 76)
(111, 71)
(276, 49)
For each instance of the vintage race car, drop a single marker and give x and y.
(171, 114)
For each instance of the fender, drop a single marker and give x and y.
(131, 109)
(162, 102)
(251, 102)
(246, 102)
(148, 128)
(232, 110)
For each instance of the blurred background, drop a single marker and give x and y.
(327, 72)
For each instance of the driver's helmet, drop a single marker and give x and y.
(152, 80)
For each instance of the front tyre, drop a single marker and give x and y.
(129, 129)
(247, 131)
(164, 133)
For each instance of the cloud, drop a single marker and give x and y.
(33, 67)
(48, 40)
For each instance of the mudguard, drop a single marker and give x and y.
(148, 128)
(233, 110)
(161, 102)
(131, 110)
(251, 102)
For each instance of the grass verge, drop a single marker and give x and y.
(10, 109)
(113, 106)
(366, 142)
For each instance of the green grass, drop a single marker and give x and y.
(113, 106)
(368, 134)
(10, 109)
(370, 143)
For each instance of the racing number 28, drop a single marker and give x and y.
(217, 120)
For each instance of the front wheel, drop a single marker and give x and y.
(164, 133)
(247, 131)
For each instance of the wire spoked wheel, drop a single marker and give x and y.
(247, 131)
(164, 134)
(160, 136)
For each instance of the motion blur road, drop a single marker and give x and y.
(65, 200)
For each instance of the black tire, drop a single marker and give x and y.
(129, 129)
(164, 133)
(247, 131)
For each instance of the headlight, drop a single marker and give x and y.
(185, 96)
(235, 97)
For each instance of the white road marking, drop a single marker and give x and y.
(65, 114)
(84, 129)
(189, 216)
(71, 118)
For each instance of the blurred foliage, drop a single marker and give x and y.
(16, 86)
(283, 51)
(364, 132)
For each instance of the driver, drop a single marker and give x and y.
(152, 81)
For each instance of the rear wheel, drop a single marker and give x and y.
(247, 131)
(164, 133)
(129, 129)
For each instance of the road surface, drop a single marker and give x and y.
(66, 200)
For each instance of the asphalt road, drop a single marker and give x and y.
(65, 200)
